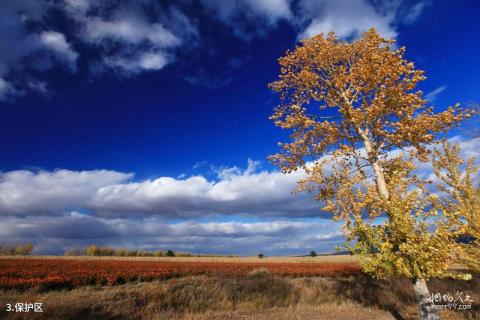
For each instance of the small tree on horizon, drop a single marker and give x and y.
(358, 128)
(313, 254)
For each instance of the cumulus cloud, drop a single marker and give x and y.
(272, 9)
(129, 30)
(58, 44)
(228, 11)
(262, 194)
(347, 18)
(55, 234)
(63, 209)
(128, 41)
(130, 65)
(22, 37)
(17, 42)
(239, 15)
(124, 38)
(6, 90)
(77, 6)
(130, 38)
(26, 193)
(112, 194)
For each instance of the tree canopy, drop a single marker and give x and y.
(359, 128)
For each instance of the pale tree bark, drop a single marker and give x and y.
(377, 168)
(424, 299)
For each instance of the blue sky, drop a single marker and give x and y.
(145, 124)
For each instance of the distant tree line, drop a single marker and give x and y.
(16, 250)
(94, 250)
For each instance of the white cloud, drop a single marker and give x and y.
(130, 30)
(125, 38)
(272, 9)
(152, 61)
(144, 36)
(140, 44)
(112, 194)
(227, 11)
(120, 212)
(148, 61)
(432, 95)
(77, 6)
(70, 230)
(37, 85)
(252, 166)
(415, 12)
(236, 192)
(57, 43)
(239, 15)
(347, 18)
(17, 42)
(24, 192)
(263, 194)
(6, 90)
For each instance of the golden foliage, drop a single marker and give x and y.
(460, 203)
(351, 107)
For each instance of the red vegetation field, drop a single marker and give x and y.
(64, 273)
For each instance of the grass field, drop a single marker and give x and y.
(324, 287)
(69, 273)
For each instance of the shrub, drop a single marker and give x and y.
(260, 255)
(131, 253)
(93, 250)
(16, 250)
(183, 254)
(75, 252)
(121, 252)
(259, 273)
(313, 254)
(24, 250)
(105, 251)
(144, 254)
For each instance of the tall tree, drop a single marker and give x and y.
(358, 127)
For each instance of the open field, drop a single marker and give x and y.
(212, 288)
(68, 273)
(252, 259)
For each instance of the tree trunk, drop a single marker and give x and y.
(380, 180)
(377, 168)
(427, 309)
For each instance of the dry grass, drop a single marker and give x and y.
(258, 295)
